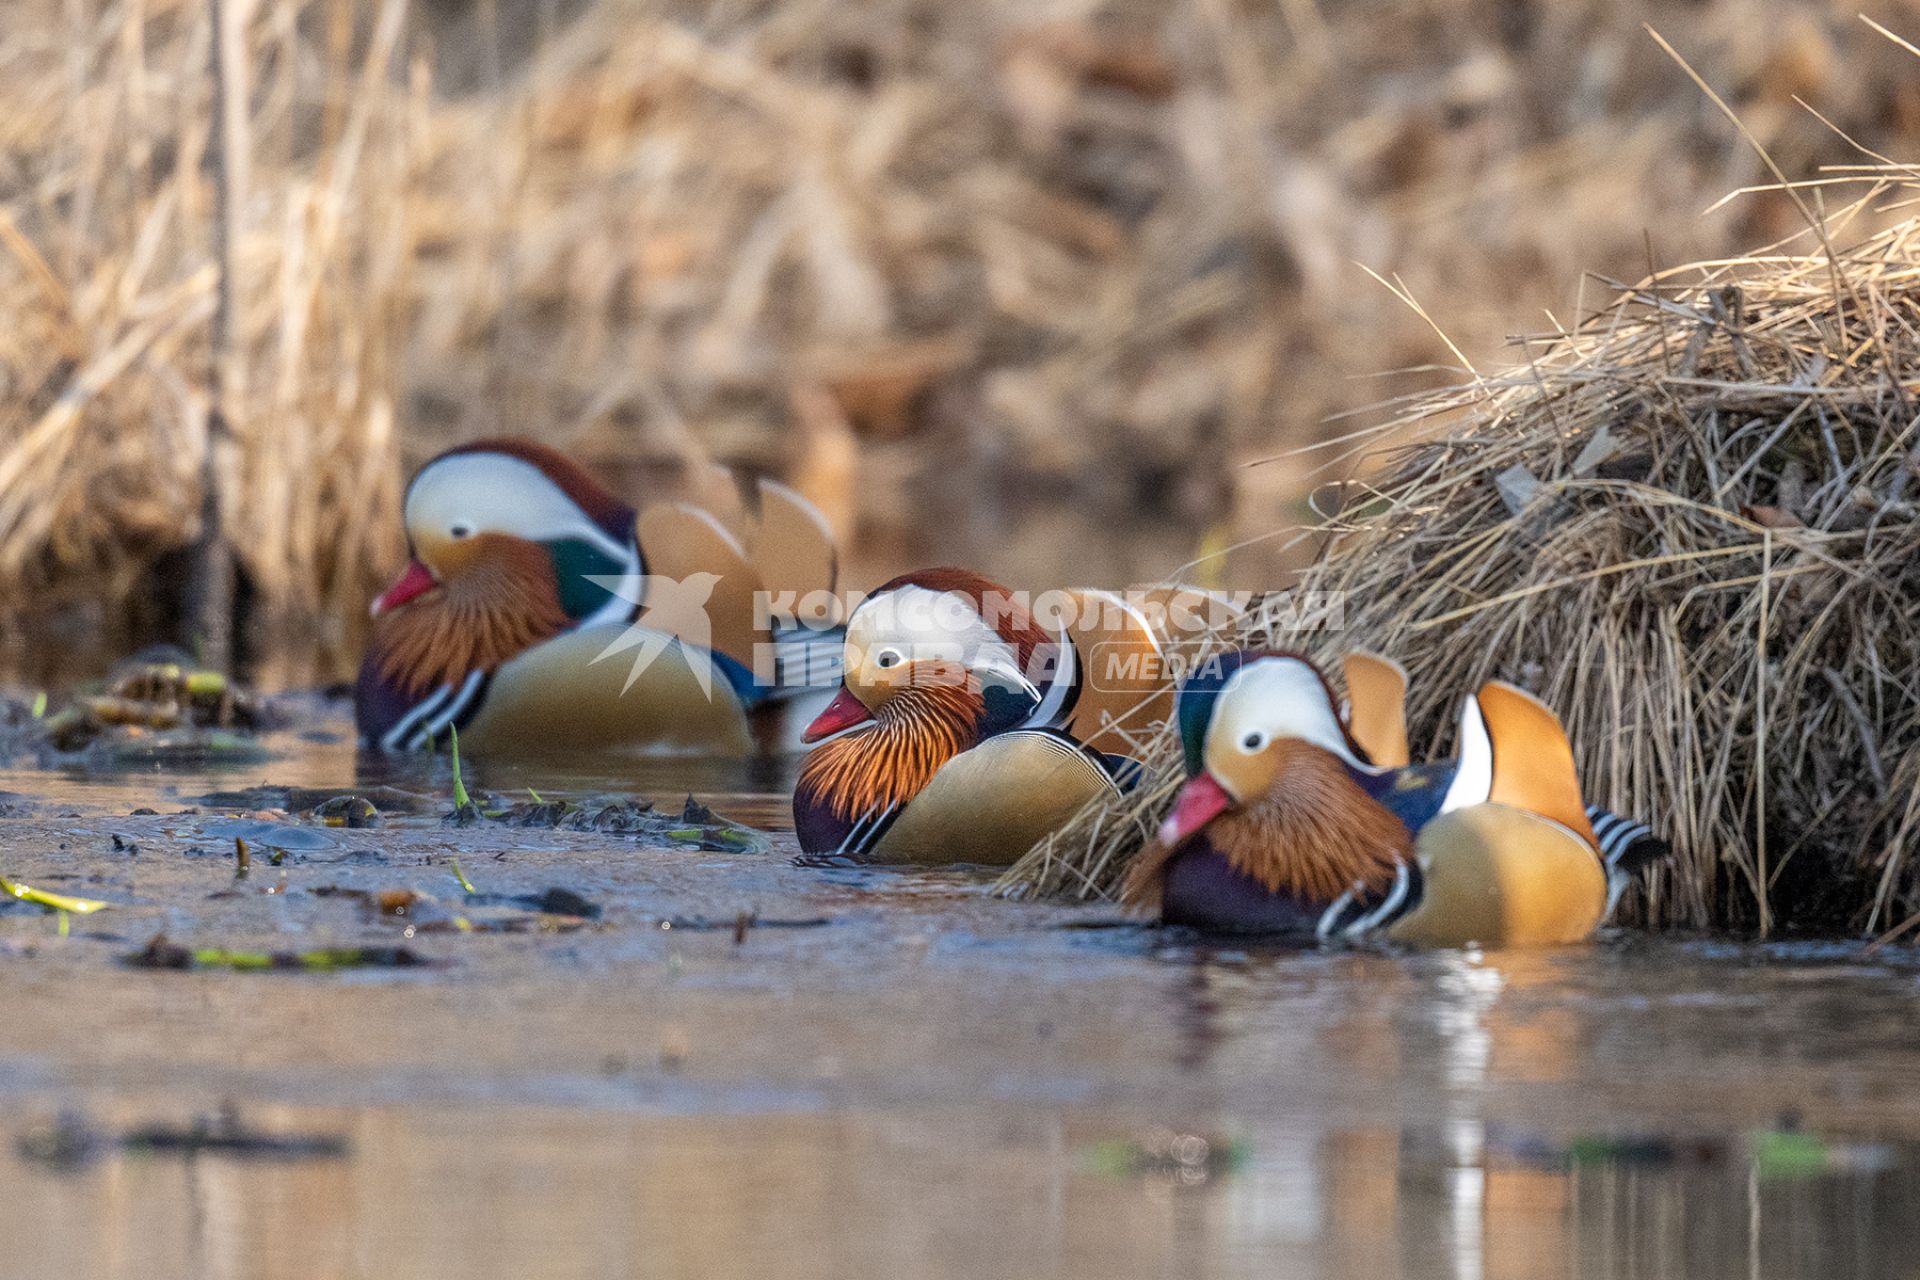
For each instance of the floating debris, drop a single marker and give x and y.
(381, 901)
(558, 910)
(1784, 1151)
(155, 708)
(1780, 1154)
(396, 900)
(74, 1141)
(626, 817)
(313, 799)
(508, 924)
(739, 924)
(696, 826)
(538, 813)
(354, 812)
(163, 954)
(554, 902)
(1186, 1159)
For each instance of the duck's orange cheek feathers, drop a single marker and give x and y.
(1200, 801)
(500, 607)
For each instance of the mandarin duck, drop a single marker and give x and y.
(1287, 824)
(526, 572)
(966, 730)
(1376, 716)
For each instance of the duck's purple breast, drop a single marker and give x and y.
(818, 828)
(1201, 890)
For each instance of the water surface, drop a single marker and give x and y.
(932, 1083)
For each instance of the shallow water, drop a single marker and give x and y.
(932, 1083)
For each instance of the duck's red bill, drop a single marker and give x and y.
(843, 712)
(416, 580)
(1200, 801)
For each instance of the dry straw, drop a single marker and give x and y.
(1690, 525)
(108, 288)
(1105, 243)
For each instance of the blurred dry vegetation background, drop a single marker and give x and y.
(988, 280)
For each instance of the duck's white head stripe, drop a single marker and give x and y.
(1280, 697)
(926, 625)
(492, 492)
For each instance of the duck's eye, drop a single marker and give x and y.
(886, 658)
(462, 530)
(1253, 742)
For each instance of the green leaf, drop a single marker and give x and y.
(460, 797)
(51, 901)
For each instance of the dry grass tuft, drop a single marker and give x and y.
(1690, 524)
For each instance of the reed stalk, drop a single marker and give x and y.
(211, 571)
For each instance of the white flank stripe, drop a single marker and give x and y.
(455, 706)
(392, 738)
